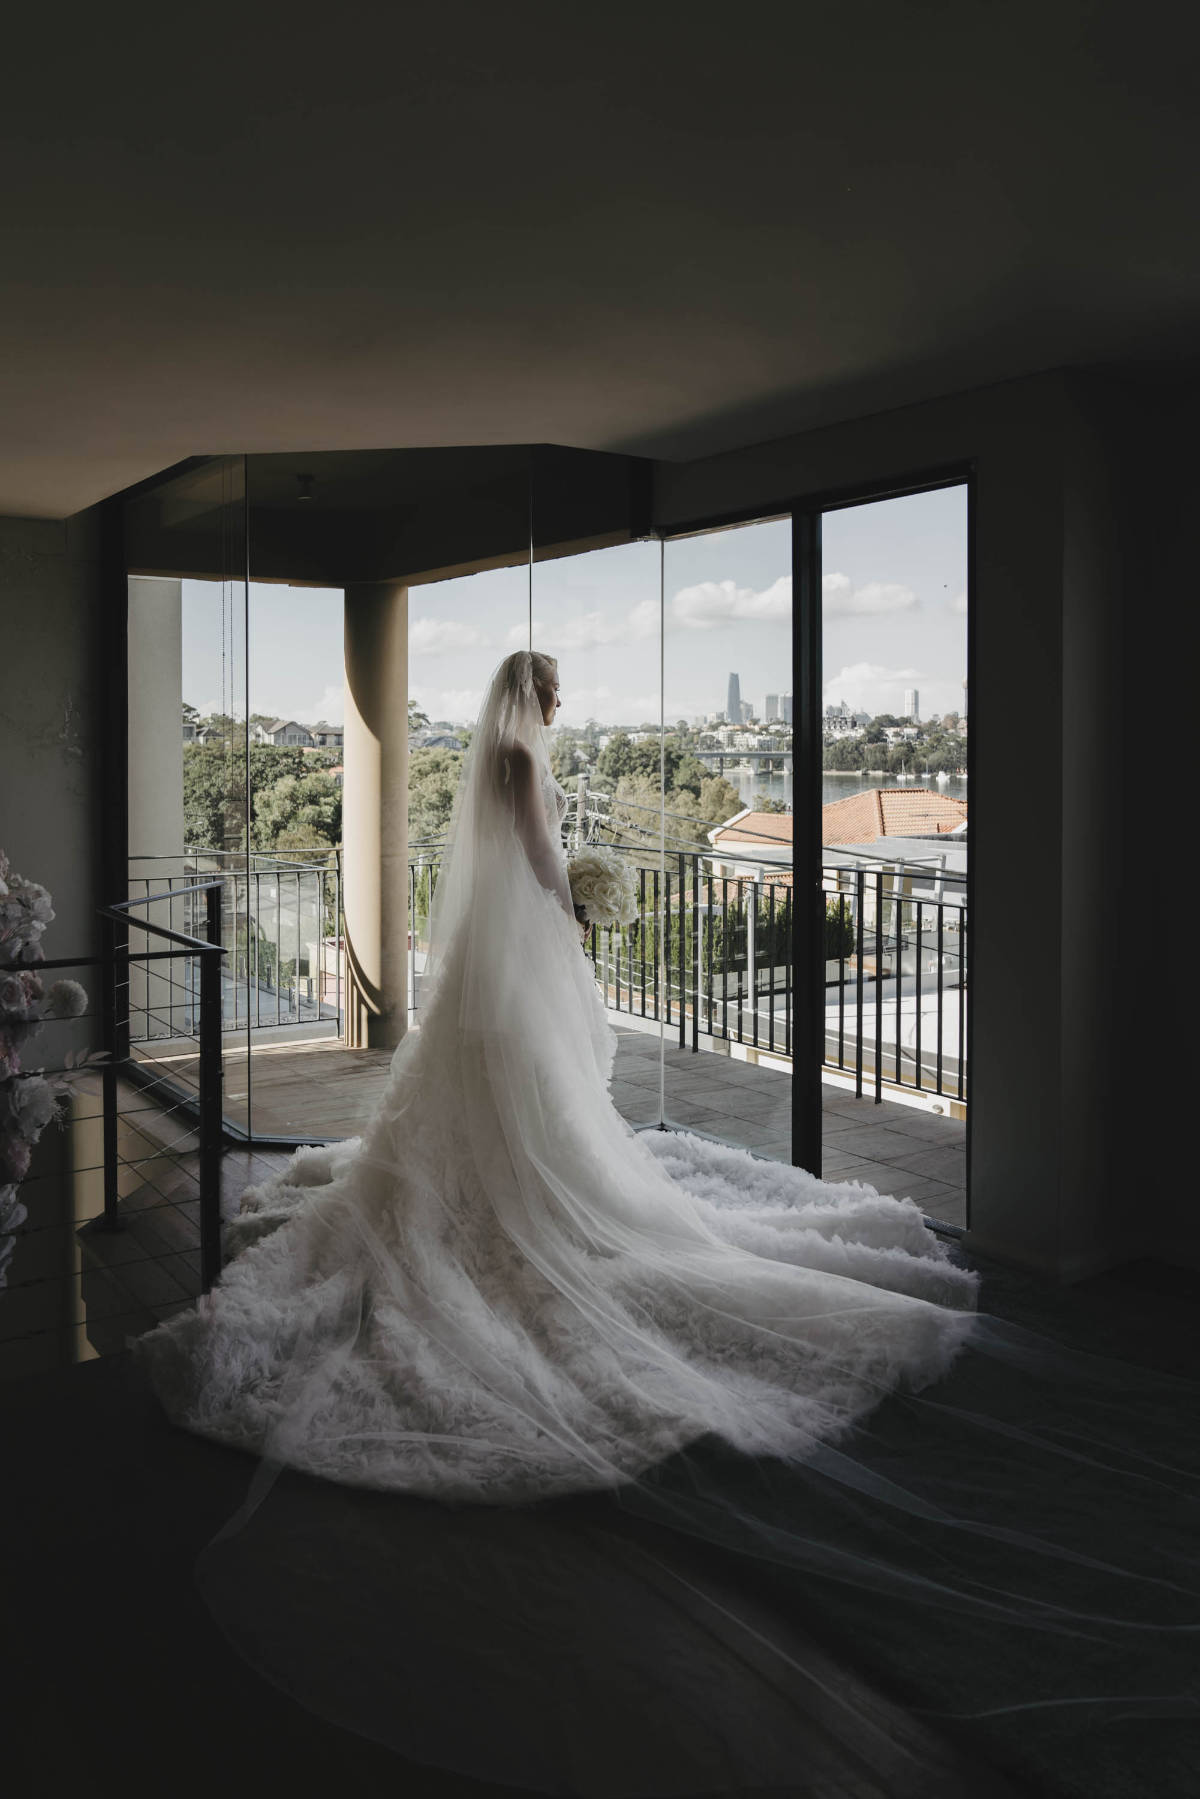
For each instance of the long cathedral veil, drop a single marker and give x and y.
(535, 1587)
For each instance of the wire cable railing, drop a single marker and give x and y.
(711, 955)
(282, 918)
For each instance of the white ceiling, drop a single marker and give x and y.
(625, 227)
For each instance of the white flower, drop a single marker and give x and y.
(603, 885)
(13, 997)
(66, 999)
(32, 1103)
(12, 1213)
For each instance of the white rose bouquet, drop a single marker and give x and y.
(603, 889)
(29, 1098)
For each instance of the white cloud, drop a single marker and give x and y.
(643, 620)
(589, 630)
(459, 704)
(840, 596)
(871, 687)
(331, 706)
(711, 603)
(959, 604)
(582, 703)
(440, 636)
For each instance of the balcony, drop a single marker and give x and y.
(704, 971)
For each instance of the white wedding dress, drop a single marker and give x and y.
(501, 1291)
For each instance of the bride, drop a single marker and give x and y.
(501, 1291)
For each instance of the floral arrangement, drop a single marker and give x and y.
(29, 1098)
(603, 888)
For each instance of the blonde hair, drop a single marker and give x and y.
(525, 668)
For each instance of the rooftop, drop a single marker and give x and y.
(891, 812)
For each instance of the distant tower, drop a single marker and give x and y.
(747, 711)
(733, 701)
(772, 709)
(912, 705)
(785, 708)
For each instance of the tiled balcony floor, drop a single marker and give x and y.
(77, 1291)
(322, 1088)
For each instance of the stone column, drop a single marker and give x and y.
(375, 813)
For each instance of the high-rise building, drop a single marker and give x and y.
(772, 708)
(912, 705)
(785, 708)
(733, 701)
(747, 711)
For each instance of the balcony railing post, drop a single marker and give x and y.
(860, 894)
(879, 986)
(680, 956)
(108, 1076)
(337, 938)
(695, 953)
(210, 1096)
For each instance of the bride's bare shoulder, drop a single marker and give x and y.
(514, 760)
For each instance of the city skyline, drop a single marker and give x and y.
(893, 619)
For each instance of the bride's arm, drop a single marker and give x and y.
(532, 826)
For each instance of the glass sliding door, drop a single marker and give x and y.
(895, 844)
(187, 741)
(383, 592)
(599, 612)
(727, 808)
(459, 629)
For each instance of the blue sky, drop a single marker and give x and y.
(894, 617)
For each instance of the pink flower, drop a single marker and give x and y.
(13, 995)
(15, 1155)
(10, 1062)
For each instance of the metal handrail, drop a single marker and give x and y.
(737, 970)
(210, 953)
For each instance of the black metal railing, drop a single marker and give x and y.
(191, 1081)
(283, 925)
(136, 1176)
(710, 955)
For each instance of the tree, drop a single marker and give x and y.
(617, 758)
(190, 714)
(847, 752)
(270, 762)
(214, 796)
(298, 812)
(433, 777)
(565, 759)
(770, 805)
(719, 799)
(417, 720)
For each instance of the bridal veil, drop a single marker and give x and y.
(575, 1442)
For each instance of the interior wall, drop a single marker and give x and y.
(1149, 959)
(52, 716)
(1050, 623)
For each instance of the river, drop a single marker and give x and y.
(838, 786)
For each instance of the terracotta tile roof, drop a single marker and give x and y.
(861, 818)
(891, 812)
(755, 827)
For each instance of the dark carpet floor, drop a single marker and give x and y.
(461, 1634)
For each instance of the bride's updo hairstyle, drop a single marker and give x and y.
(522, 673)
